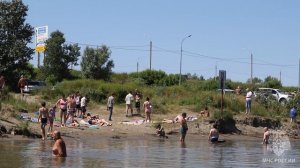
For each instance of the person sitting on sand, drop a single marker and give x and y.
(160, 131)
(266, 136)
(94, 120)
(59, 147)
(213, 134)
(204, 113)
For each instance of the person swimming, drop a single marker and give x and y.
(213, 134)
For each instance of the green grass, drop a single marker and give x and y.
(194, 95)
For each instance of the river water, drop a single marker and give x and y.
(146, 153)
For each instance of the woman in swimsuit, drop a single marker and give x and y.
(62, 104)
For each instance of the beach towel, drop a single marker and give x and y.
(135, 122)
(191, 118)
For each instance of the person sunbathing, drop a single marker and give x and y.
(95, 120)
(204, 113)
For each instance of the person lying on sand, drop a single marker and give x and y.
(94, 120)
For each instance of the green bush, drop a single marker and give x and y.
(226, 115)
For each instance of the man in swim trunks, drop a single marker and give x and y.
(213, 134)
(59, 147)
(71, 107)
(184, 127)
(43, 117)
(78, 108)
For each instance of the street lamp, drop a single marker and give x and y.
(181, 57)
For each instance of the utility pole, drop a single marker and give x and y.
(251, 79)
(38, 65)
(150, 54)
(216, 71)
(280, 76)
(299, 77)
(137, 67)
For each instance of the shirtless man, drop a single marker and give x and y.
(213, 134)
(71, 107)
(59, 147)
(22, 83)
(184, 128)
(43, 117)
(266, 136)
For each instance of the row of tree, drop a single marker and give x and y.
(15, 53)
(16, 34)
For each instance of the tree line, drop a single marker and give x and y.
(60, 57)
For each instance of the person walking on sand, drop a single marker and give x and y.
(62, 104)
(213, 135)
(248, 100)
(148, 109)
(59, 148)
(43, 118)
(128, 100)
(110, 105)
(266, 136)
(21, 84)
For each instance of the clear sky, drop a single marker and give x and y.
(224, 34)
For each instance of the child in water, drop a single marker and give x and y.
(160, 131)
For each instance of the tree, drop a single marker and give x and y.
(59, 57)
(272, 82)
(255, 80)
(15, 35)
(95, 63)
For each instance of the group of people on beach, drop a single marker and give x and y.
(136, 98)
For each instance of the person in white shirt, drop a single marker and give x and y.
(128, 100)
(83, 105)
(248, 100)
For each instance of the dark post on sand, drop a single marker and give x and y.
(222, 78)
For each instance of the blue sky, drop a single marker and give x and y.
(224, 34)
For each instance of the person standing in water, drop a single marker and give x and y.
(266, 136)
(59, 148)
(43, 118)
(213, 134)
(184, 127)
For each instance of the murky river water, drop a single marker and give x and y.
(146, 153)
